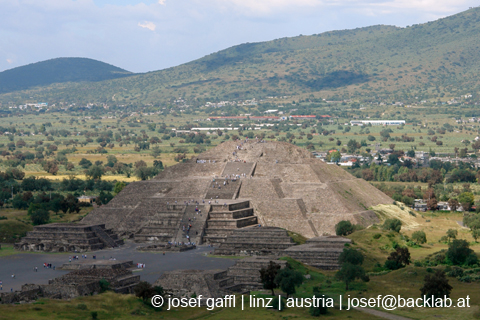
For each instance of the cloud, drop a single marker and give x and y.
(9, 61)
(148, 25)
(267, 7)
(162, 2)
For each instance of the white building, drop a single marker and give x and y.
(377, 122)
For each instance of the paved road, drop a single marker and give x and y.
(22, 264)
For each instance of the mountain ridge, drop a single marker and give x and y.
(429, 60)
(58, 70)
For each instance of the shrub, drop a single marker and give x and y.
(458, 252)
(318, 310)
(344, 228)
(377, 236)
(82, 306)
(392, 224)
(454, 272)
(436, 285)
(278, 305)
(419, 237)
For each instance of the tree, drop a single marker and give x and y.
(158, 164)
(453, 204)
(398, 259)
(353, 145)
(156, 151)
(432, 204)
(144, 173)
(84, 163)
(103, 198)
(140, 164)
(111, 160)
(351, 256)
(466, 199)
(69, 204)
(344, 228)
(144, 291)
(452, 234)
(392, 224)
(349, 272)
(287, 279)
(94, 172)
(393, 159)
(70, 166)
(458, 251)
(19, 202)
(419, 237)
(119, 187)
(334, 156)
(40, 216)
(475, 234)
(268, 274)
(436, 285)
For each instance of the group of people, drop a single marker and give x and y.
(45, 266)
(140, 265)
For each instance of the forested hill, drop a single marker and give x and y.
(58, 70)
(431, 60)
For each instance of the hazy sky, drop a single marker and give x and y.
(148, 35)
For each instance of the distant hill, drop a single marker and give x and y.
(435, 59)
(58, 70)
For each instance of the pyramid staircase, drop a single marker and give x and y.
(224, 219)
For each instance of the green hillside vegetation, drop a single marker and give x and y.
(431, 60)
(59, 70)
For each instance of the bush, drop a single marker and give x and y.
(94, 315)
(454, 272)
(278, 305)
(458, 252)
(82, 306)
(436, 285)
(419, 237)
(377, 236)
(392, 224)
(318, 310)
(40, 216)
(472, 259)
(344, 228)
(104, 285)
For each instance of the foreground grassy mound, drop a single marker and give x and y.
(12, 230)
(115, 306)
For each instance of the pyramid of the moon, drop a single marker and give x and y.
(240, 185)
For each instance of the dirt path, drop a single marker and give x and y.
(382, 314)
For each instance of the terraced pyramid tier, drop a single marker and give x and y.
(285, 186)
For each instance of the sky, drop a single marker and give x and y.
(149, 35)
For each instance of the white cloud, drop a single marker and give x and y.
(262, 7)
(9, 61)
(162, 2)
(148, 25)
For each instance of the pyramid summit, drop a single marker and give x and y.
(240, 184)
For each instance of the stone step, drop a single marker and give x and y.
(235, 214)
(232, 224)
(104, 237)
(231, 206)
